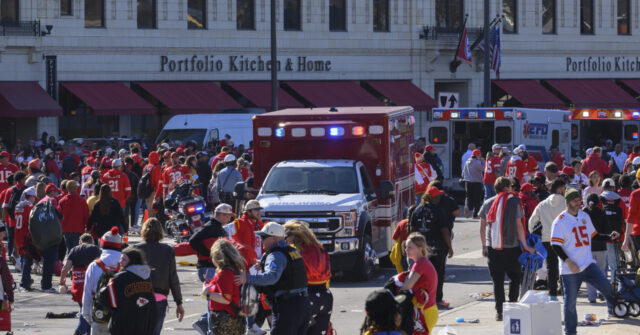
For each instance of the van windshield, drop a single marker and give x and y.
(182, 136)
(317, 180)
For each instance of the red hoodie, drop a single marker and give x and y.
(156, 171)
(595, 163)
(75, 213)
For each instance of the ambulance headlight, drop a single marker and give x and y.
(489, 115)
(617, 114)
(585, 114)
(264, 131)
(455, 115)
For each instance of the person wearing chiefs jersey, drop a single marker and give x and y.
(78, 261)
(75, 215)
(491, 171)
(6, 169)
(424, 174)
(219, 157)
(22, 236)
(516, 166)
(8, 208)
(318, 265)
(86, 172)
(118, 182)
(530, 164)
(247, 225)
(156, 173)
(171, 175)
(556, 156)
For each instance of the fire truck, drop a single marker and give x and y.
(591, 127)
(450, 131)
(346, 171)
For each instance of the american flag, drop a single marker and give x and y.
(495, 56)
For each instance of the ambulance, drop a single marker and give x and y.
(450, 131)
(591, 127)
(347, 171)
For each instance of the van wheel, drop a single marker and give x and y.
(366, 262)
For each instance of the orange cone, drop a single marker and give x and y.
(146, 216)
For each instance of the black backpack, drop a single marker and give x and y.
(16, 194)
(614, 214)
(99, 312)
(145, 188)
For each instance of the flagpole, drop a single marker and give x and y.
(487, 53)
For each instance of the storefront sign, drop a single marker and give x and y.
(51, 63)
(603, 64)
(241, 63)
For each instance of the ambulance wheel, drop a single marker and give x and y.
(634, 309)
(621, 310)
(366, 261)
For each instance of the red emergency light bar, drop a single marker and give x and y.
(604, 114)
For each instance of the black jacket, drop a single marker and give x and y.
(103, 223)
(133, 181)
(601, 224)
(202, 240)
(130, 294)
(204, 177)
(162, 260)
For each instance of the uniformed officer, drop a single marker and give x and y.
(283, 279)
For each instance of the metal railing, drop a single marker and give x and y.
(448, 34)
(20, 28)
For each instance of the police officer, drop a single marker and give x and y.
(283, 279)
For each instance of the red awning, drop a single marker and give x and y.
(26, 99)
(334, 93)
(530, 93)
(404, 93)
(110, 98)
(190, 97)
(259, 93)
(594, 93)
(633, 84)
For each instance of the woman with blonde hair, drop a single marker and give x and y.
(594, 185)
(222, 292)
(422, 279)
(318, 265)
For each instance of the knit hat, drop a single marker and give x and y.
(112, 239)
(570, 194)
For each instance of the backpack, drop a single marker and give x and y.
(614, 214)
(99, 312)
(249, 301)
(68, 164)
(44, 226)
(16, 194)
(145, 188)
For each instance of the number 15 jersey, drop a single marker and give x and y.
(574, 234)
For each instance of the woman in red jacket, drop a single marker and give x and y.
(316, 261)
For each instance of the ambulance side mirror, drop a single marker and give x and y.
(386, 190)
(240, 191)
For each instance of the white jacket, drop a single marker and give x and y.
(546, 212)
(110, 258)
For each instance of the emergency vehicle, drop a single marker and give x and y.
(450, 131)
(346, 171)
(590, 127)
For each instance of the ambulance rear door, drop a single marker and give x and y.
(438, 135)
(629, 134)
(504, 132)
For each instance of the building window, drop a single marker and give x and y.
(197, 14)
(624, 17)
(586, 17)
(65, 7)
(548, 16)
(292, 13)
(449, 14)
(9, 10)
(94, 13)
(338, 15)
(509, 17)
(246, 14)
(380, 15)
(147, 14)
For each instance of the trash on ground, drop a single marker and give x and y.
(459, 320)
(447, 331)
(590, 317)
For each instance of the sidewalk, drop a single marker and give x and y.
(483, 309)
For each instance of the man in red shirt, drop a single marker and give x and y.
(75, 214)
(595, 163)
(516, 166)
(557, 156)
(118, 182)
(6, 169)
(247, 225)
(156, 173)
(530, 163)
(19, 178)
(220, 157)
(492, 171)
(22, 212)
(172, 174)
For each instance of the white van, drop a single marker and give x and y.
(204, 128)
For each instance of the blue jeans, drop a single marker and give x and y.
(612, 261)
(204, 318)
(71, 240)
(592, 275)
(136, 214)
(25, 281)
(83, 327)
(49, 257)
(489, 191)
(11, 231)
(162, 312)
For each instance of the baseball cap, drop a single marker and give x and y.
(30, 192)
(589, 151)
(180, 151)
(165, 145)
(252, 204)
(568, 170)
(5, 154)
(517, 150)
(223, 209)
(418, 157)
(381, 303)
(526, 188)
(495, 147)
(429, 148)
(636, 161)
(522, 147)
(608, 183)
(117, 162)
(106, 161)
(271, 229)
(166, 154)
(229, 158)
(51, 188)
(122, 152)
(434, 191)
(476, 152)
(48, 151)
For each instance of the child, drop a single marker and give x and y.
(383, 314)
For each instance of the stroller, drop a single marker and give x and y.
(627, 285)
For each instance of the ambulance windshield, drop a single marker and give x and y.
(316, 180)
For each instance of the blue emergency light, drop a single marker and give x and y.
(279, 132)
(636, 114)
(336, 131)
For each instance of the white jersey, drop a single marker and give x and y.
(574, 234)
(581, 179)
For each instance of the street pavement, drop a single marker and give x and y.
(466, 274)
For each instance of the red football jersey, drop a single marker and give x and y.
(5, 172)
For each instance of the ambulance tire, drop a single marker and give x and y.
(366, 260)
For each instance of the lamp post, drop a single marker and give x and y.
(274, 64)
(487, 53)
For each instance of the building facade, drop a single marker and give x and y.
(110, 64)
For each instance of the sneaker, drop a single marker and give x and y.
(12, 260)
(553, 298)
(600, 297)
(443, 304)
(498, 316)
(24, 289)
(50, 290)
(255, 330)
(592, 301)
(198, 327)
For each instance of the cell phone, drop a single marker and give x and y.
(209, 274)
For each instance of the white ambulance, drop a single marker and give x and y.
(592, 127)
(450, 131)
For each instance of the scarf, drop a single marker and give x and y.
(495, 216)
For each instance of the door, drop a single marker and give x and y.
(503, 133)
(629, 134)
(439, 136)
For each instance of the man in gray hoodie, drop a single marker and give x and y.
(541, 222)
(472, 175)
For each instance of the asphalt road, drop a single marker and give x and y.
(466, 273)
